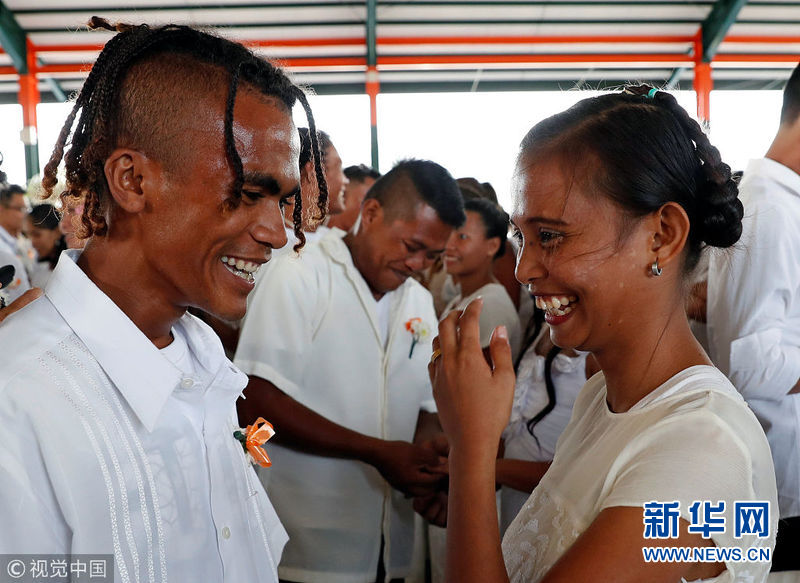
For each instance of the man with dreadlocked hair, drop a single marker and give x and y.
(116, 406)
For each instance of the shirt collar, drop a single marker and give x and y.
(144, 376)
(333, 244)
(776, 171)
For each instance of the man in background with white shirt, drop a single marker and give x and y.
(754, 312)
(117, 408)
(12, 214)
(360, 180)
(346, 459)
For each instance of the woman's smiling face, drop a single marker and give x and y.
(589, 276)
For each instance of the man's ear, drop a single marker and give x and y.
(307, 175)
(671, 230)
(131, 177)
(371, 212)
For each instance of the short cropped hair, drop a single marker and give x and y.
(791, 98)
(10, 192)
(413, 181)
(360, 172)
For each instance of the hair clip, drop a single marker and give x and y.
(652, 93)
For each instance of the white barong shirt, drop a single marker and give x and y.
(313, 330)
(754, 315)
(109, 448)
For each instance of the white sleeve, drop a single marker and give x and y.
(29, 512)
(751, 291)
(695, 456)
(20, 284)
(279, 324)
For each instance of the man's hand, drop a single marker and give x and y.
(437, 444)
(20, 302)
(412, 469)
(433, 508)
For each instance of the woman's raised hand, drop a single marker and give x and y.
(474, 398)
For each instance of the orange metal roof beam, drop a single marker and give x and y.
(509, 40)
(418, 60)
(479, 40)
(548, 58)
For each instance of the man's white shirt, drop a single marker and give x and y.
(110, 448)
(11, 254)
(753, 315)
(314, 330)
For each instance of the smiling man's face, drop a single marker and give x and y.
(201, 250)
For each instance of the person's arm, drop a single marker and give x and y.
(410, 468)
(433, 506)
(20, 302)
(522, 475)
(611, 550)
(474, 403)
(750, 292)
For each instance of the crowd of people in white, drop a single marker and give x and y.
(500, 396)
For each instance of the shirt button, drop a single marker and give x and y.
(226, 533)
(187, 383)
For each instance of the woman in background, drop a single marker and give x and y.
(469, 258)
(42, 226)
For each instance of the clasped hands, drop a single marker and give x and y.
(473, 397)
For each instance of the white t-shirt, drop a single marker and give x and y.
(498, 310)
(530, 397)
(754, 315)
(110, 447)
(692, 438)
(314, 330)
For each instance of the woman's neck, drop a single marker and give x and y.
(635, 366)
(472, 282)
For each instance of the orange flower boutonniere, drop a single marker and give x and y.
(419, 331)
(253, 438)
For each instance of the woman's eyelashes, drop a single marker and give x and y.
(549, 238)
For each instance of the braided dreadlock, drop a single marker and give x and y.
(110, 88)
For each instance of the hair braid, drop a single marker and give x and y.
(230, 145)
(551, 393)
(322, 201)
(297, 221)
(718, 208)
(93, 127)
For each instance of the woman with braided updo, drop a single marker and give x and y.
(613, 201)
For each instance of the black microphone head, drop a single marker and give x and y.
(6, 275)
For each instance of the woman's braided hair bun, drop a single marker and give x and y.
(718, 212)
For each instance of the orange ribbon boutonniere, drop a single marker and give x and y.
(253, 438)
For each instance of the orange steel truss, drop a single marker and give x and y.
(29, 93)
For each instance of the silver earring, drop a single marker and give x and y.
(655, 269)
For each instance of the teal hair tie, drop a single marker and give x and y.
(652, 93)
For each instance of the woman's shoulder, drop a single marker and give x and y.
(493, 291)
